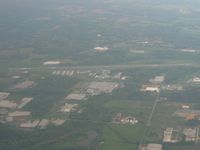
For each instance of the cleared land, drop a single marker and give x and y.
(23, 85)
(7, 104)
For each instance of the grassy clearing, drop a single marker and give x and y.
(121, 137)
(140, 109)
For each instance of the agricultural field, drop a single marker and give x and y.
(94, 115)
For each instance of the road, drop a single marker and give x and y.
(150, 118)
(123, 66)
(153, 109)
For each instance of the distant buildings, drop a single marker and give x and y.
(171, 87)
(51, 63)
(154, 147)
(76, 96)
(150, 88)
(186, 134)
(185, 106)
(157, 80)
(195, 80)
(154, 85)
(96, 88)
(119, 118)
(69, 107)
(151, 147)
(188, 114)
(41, 124)
(191, 134)
(170, 136)
(101, 49)
(103, 74)
(92, 89)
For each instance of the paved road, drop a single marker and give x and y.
(150, 118)
(153, 109)
(125, 66)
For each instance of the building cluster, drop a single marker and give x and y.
(187, 134)
(157, 84)
(102, 74)
(41, 124)
(191, 134)
(150, 88)
(157, 79)
(171, 87)
(51, 63)
(121, 119)
(194, 80)
(96, 88)
(151, 146)
(92, 89)
(154, 85)
(63, 72)
(88, 90)
(11, 112)
(170, 135)
(187, 113)
(69, 107)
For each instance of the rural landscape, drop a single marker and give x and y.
(99, 75)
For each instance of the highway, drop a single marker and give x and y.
(122, 66)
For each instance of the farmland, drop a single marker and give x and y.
(102, 75)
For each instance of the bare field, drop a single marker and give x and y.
(19, 114)
(74, 96)
(23, 85)
(7, 104)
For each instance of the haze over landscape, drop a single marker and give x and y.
(99, 75)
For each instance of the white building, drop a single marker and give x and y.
(51, 63)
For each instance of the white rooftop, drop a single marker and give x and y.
(51, 63)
